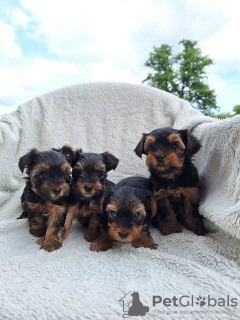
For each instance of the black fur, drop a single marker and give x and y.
(126, 196)
(89, 187)
(171, 169)
(47, 187)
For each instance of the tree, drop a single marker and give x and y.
(236, 109)
(225, 115)
(183, 74)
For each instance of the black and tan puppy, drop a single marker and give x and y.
(45, 197)
(89, 185)
(127, 210)
(174, 179)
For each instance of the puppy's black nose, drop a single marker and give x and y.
(160, 157)
(88, 188)
(123, 234)
(57, 191)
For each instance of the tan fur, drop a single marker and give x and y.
(102, 243)
(139, 208)
(176, 138)
(52, 240)
(79, 165)
(153, 207)
(100, 166)
(133, 233)
(169, 176)
(65, 167)
(148, 141)
(92, 231)
(112, 207)
(171, 224)
(38, 168)
(38, 207)
(192, 193)
(72, 212)
(37, 225)
(95, 188)
(50, 189)
(84, 211)
(170, 159)
(191, 196)
(144, 240)
(151, 160)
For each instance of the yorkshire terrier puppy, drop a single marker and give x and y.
(127, 209)
(89, 185)
(174, 179)
(45, 197)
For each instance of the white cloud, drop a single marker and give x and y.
(35, 77)
(223, 45)
(19, 18)
(108, 71)
(8, 46)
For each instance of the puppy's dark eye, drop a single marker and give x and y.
(41, 175)
(112, 214)
(136, 216)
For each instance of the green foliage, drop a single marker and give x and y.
(225, 115)
(183, 74)
(236, 109)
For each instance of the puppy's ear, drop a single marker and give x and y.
(110, 161)
(78, 155)
(26, 160)
(191, 142)
(139, 150)
(69, 154)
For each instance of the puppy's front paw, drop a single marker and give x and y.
(40, 241)
(37, 232)
(167, 228)
(90, 235)
(23, 216)
(145, 241)
(197, 226)
(100, 246)
(200, 230)
(49, 245)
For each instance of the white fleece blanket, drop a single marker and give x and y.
(74, 283)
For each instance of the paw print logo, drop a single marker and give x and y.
(201, 301)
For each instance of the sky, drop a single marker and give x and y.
(49, 44)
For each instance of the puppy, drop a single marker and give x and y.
(45, 197)
(128, 207)
(173, 178)
(88, 190)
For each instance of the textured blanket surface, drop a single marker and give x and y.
(74, 283)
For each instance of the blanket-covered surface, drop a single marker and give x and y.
(74, 283)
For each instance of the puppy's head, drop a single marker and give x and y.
(166, 150)
(126, 213)
(49, 172)
(90, 172)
